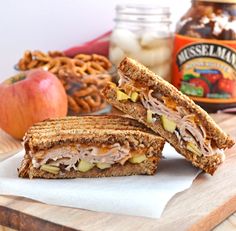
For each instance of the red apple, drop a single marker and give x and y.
(28, 98)
(227, 86)
(200, 82)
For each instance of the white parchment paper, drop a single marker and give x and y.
(134, 195)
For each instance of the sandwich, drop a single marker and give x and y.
(174, 116)
(90, 146)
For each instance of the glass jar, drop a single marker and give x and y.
(204, 64)
(142, 32)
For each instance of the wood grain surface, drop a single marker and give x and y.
(205, 204)
(8, 145)
(5, 228)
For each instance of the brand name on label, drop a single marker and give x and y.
(206, 50)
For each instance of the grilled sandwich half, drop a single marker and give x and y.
(160, 106)
(90, 146)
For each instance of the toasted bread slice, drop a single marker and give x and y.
(90, 146)
(163, 104)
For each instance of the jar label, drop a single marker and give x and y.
(205, 69)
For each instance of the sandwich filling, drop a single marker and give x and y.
(174, 118)
(82, 158)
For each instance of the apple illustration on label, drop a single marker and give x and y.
(28, 98)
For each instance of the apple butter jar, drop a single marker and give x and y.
(204, 65)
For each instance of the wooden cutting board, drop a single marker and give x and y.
(201, 207)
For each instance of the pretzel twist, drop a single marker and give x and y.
(82, 76)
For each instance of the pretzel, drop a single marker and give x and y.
(92, 71)
(73, 105)
(104, 62)
(41, 56)
(64, 61)
(84, 105)
(82, 76)
(90, 79)
(93, 101)
(56, 54)
(83, 57)
(52, 66)
(103, 79)
(27, 58)
(96, 66)
(80, 65)
(32, 64)
(87, 91)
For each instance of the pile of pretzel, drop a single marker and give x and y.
(83, 76)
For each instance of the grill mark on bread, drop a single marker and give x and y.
(64, 124)
(98, 126)
(86, 119)
(92, 137)
(58, 130)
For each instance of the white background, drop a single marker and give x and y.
(57, 24)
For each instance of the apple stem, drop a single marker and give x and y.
(15, 78)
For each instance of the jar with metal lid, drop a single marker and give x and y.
(204, 65)
(143, 32)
